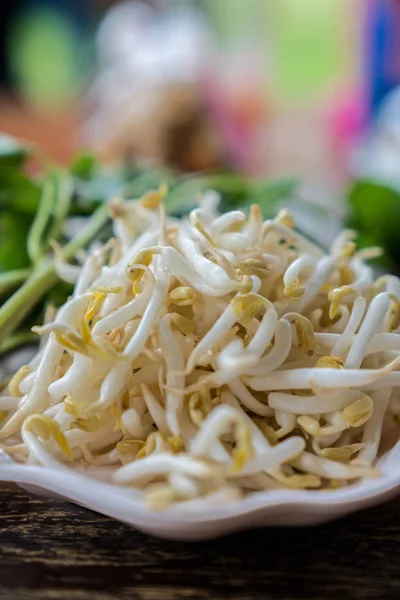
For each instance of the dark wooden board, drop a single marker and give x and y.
(54, 550)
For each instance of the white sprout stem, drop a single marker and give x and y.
(304, 264)
(79, 371)
(393, 286)
(209, 202)
(264, 333)
(241, 392)
(286, 421)
(354, 321)
(342, 322)
(103, 460)
(312, 405)
(140, 472)
(36, 399)
(226, 221)
(114, 301)
(133, 423)
(322, 271)
(87, 274)
(146, 240)
(121, 316)
(184, 485)
(221, 327)
(226, 494)
(156, 411)
(278, 354)
(235, 241)
(370, 326)
(273, 457)
(114, 384)
(392, 380)
(231, 363)
(383, 342)
(219, 422)
(344, 236)
(273, 277)
(373, 427)
(328, 468)
(209, 271)
(180, 267)
(26, 384)
(260, 442)
(175, 379)
(363, 275)
(323, 378)
(65, 271)
(294, 237)
(124, 233)
(138, 341)
(38, 452)
(97, 439)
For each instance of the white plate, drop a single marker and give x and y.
(188, 521)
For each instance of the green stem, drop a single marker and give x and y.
(43, 215)
(44, 277)
(65, 190)
(17, 340)
(12, 279)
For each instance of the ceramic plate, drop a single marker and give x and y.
(192, 520)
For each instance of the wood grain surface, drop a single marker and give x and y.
(54, 550)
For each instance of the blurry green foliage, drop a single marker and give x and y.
(45, 56)
(374, 211)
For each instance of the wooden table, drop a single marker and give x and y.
(54, 550)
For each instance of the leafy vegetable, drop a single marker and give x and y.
(17, 191)
(84, 165)
(268, 193)
(14, 230)
(375, 213)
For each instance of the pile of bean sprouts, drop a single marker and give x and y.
(211, 357)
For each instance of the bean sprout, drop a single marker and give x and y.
(203, 359)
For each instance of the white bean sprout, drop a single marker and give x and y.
(212, 357)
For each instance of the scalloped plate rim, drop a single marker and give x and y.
(286, 507)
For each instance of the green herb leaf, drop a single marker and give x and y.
(17, 191)
(269, 192)
(14, 229)
(84, 165)
(184, 196)
(375, 213)
(139, 183)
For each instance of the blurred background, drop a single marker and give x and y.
(265, 87)
(251, 80)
